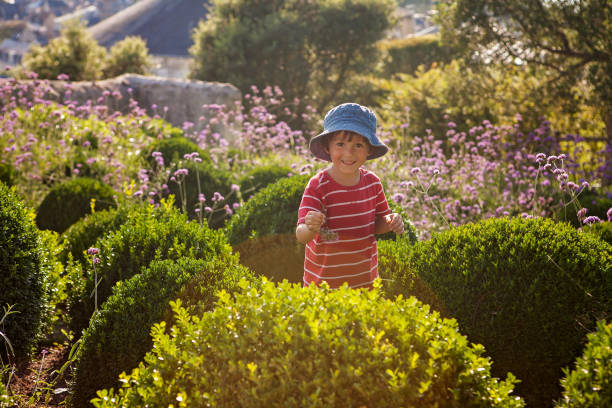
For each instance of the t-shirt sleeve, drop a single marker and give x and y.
(382, 206)
(311, 200)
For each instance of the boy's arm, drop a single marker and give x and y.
(391, 222)
(311, 226)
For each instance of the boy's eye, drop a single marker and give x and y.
(359, 145)
(339, 144)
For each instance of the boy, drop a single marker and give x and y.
(344, 206)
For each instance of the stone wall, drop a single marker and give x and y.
(184, 98)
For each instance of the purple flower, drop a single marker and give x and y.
(609, 214)
(93, 251)
(228, 210)
(415, 170)
(218, 197)
(96, 260)
(201, 198)
(581, 214)
(591, 220)
(235, 187)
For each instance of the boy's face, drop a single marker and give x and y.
(348, 151)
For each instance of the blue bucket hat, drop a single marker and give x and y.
(352, 117)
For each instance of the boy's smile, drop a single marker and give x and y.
(348, 152)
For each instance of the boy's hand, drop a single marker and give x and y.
(395, 223)
(314, 220)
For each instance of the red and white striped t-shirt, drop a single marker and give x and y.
(351, 212)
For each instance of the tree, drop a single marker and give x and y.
(128, 55)
(309, 48)
(571, 38)
(74, 53)
(77, 54)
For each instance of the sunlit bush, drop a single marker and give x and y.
(289, 346)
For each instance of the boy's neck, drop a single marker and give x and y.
(347, 180)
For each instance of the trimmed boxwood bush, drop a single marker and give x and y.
(261, 176)
(8, 174)
(601, 229)
(83, 234)
(67, 202)
(528, 290)
(273, 210)
(154, 234)
(21, 276)
(210, 180)
(174, 149)
(589, 384)
(312, 347)
(118, 336)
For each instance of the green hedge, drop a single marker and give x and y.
(83, 234)
(173, 149)
(155, 234)
(405, 55)
(22, 281)
(66, 203)
(288, 346)
(8, 174)
(529, 290)
(603, 230)
(118, 336)
(271, 211)
(261, 176)
(589, 384)
(210, 180)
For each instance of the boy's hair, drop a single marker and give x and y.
(347, 133)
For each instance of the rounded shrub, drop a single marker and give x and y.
(316, 347)
(529, 290)
(173, 149)
(67, 202)
(603, 230)
(153, 234)
(273, 210)
(589, 384)
(8, 174)
(261, 176)
(114, 343)
(83, 234)
(22, 281)
(204, 178)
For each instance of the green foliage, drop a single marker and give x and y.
(529, 290)
(589, 384)
(74, 53)
(83, 234)
(406, 55)
(273, 210)
(572, 38)
(7, 174)
(68, 202)
(128, 55)
(114, 344)
(204, 178)
(312, 347)
(77, 54)
(22, 281)
(309, 49)
(56, 284)
(603, 230)
(173, 150)
(260, 176)
(153, 234)
(470, 95)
